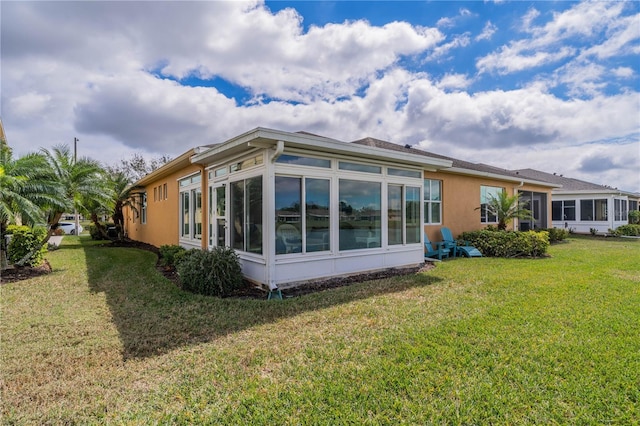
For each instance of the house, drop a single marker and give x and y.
(299, 207)
(584, 206)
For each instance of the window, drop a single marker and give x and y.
(185, 207)
(302, 204)
(143, 207)
(242, 165)
(197, 214)
(563, 210)
(360, 209)
(246, 215)
(317, 220)
(190, 208)
(593, 210)
(356, 167)
(412, 214)
(432, 201)
(620, 210)
(394, 214)
(404, 173)
(155, 193)
(303, 161)
(403, 218)
(164, 191)
(217, 216)
(487, 193)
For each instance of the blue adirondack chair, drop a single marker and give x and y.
(458, 247)
(432, 250)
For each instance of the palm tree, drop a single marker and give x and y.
(26, 187)
(79, 181)
(95, 208)
(123, 198)
(507, 207)
(82, 180)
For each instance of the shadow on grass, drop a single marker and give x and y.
(153, 316)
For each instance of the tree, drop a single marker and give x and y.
(137, 167)
(78, 182)
(26, 188)
(507, 207)
(96, 208)
(123, 197)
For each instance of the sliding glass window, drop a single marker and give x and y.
(403, 214)
(246, 215)
(302, 204)
(360, 214)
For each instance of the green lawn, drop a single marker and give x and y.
(106, 339)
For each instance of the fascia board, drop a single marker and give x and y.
(166, 169)
(461, 171)
(592, 192)
(321, 144)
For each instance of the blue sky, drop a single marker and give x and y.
(547, 85)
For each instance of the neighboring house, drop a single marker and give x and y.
(582, 206)
(299, 207)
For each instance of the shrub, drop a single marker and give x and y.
(170, 254)
(509, 243)
(556, 234)
(212, 273)
(95, 234)
(634, 217)
(627, 230)
(24, 241)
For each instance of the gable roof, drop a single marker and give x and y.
(457, 166)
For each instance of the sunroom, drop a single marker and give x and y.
(298, 207)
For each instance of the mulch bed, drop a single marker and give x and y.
(19, 273)
(249, 291)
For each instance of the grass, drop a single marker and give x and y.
(106, 339)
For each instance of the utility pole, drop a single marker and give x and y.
(75, 160)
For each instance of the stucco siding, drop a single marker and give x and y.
(162, 226)
(461, 199)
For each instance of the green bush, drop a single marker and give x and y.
(95, 233)
(509, 243)
(170, 254)
(556, 234)
(212, 273)
(24, 241)
(627, 230)
(634, 217)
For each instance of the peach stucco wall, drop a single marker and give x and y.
(163, 223)
(461, 197)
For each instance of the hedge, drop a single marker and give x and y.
(509, 243)
(24, 241)
(631, 230)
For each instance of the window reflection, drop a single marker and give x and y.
(360, 222)
(317, 214)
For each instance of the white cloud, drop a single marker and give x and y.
(454, 81)
(66, 73)
(583, 21)
(516, 58)
(623, 72)
(29, 104)
(443, 50)
(487, 32)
